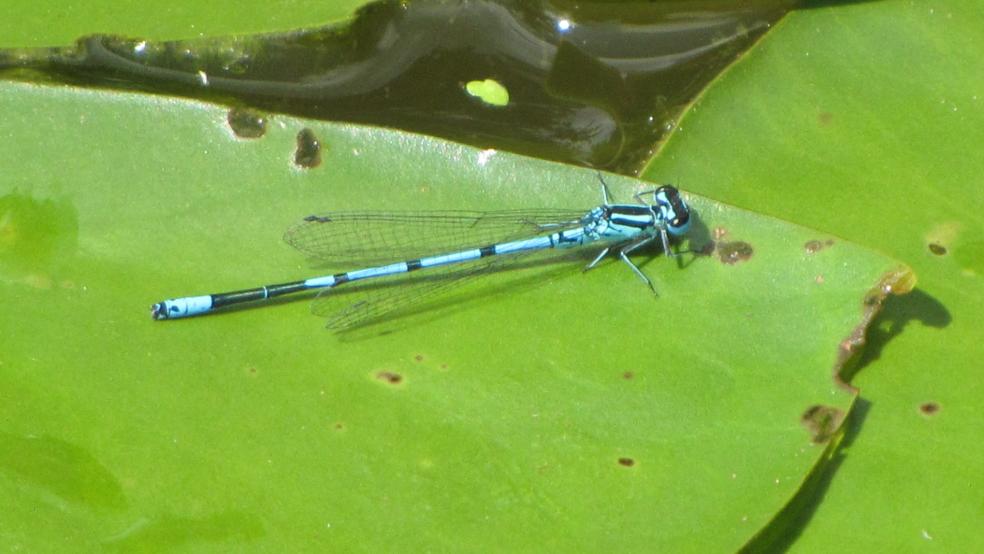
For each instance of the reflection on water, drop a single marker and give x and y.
(598, 84)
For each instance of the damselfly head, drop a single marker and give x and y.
(675, 212)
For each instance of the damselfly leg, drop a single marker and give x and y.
(628, 249)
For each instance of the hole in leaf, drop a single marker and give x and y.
(308, 153)
(247, 124)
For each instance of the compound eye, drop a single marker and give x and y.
(680, 223)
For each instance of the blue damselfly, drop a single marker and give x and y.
(463, 243)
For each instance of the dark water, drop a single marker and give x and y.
(592, 83)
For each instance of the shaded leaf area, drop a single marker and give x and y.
(543, 409)
(63, 470)
(593, 83)
(873, 136)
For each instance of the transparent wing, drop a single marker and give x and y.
(362, 302)
(370, 237)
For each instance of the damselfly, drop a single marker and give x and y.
(460, 245)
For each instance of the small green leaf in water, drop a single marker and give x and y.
(489, 91)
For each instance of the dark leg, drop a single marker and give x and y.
(605, 193)
(638, 196)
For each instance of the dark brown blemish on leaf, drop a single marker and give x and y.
(814, 246)
(339, 426)
(822, 422)
(390, 377)
(627, 462)
(929, 408)
(247, 124)
(418, 358)
(308, 153)
(628, 375)
(937, 248)
(825, 118)
(734, 252)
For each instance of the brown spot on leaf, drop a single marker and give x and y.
(929, 408)
(822, 422)
(734, 252)
(625, 461)
(390, 377)
(814, 246)
(937, 249)
(628, 375)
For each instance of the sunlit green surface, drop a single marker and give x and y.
(60, 22)
(867, 120)
(570, 410)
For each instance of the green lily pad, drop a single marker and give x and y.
(55, 23)
(547, 409)
(870, 127)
